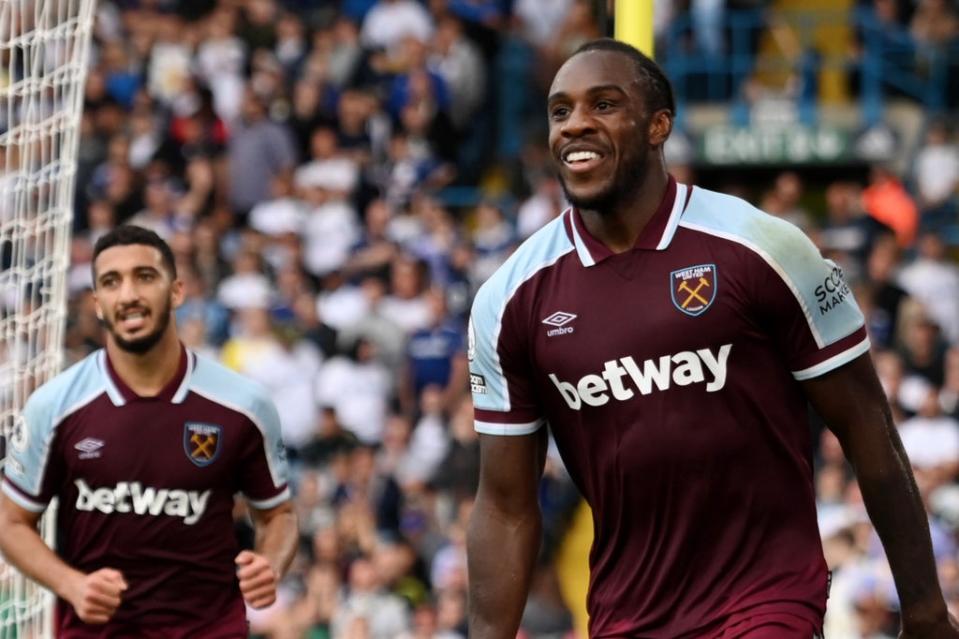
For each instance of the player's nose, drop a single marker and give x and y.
(128, 291)
(577, 123)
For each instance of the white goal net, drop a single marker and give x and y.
(44, 52)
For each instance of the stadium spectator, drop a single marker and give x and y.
(934, 281)
(935, 23)
(259, 149)
(388, 22)
(886, 200)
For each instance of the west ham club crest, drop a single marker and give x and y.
(693, 288)
(201, 442)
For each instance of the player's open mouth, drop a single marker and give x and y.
(581, 161)
(133, 320)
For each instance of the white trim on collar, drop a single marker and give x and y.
(184, 387)
(674, 216)
(112, 391)
(581, 249)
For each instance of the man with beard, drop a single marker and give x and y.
(145, 445)
(671, 338)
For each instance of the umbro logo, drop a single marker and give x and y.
(89, 448)
(559, 320)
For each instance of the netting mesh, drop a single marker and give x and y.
(44, 51)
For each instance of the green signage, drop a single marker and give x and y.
(794, 144)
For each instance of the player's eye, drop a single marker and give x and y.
(604, 105)
(558, 113)
(147, 276)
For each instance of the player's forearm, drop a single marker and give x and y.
(502, 550)
(276, 538)
(897, 512)
(23, 547)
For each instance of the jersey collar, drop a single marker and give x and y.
(656, 235)
(174, 392)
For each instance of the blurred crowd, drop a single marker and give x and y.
(336, 179)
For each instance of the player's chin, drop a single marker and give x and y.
(591, 198)
(587, 192)
(138, 343)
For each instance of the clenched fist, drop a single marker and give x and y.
(96, 596)
(258, 579)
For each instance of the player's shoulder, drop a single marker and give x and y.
(540, 250)
(67, 392)
(230, 389)
(734, 219)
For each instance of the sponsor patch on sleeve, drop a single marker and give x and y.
(477, 384)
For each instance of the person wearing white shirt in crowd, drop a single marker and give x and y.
(284, 213)
(358, 388)
(341, 304)
(389, 21)
(934, 281)
(931, 439)
(331, 227)
(407, 305)
(937, 167)
(330, 168)
(247, 287)
(170, 61)
(219, 62)
(543, 205)
(457, 60)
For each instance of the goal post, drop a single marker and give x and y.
(44, 53)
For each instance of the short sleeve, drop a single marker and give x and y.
(807, 305)
(500, 375)
(264, 472)
(28, 474)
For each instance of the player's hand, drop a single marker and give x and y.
(97, 595)
(258, 579)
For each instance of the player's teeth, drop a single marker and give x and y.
(580, 156)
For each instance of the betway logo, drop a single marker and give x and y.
(130, 497)
(681, 369)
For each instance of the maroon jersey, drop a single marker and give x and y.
(145, 485)
(668, 376)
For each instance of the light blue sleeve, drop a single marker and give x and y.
(268, 478)
(816, 283)
(504, 400)
(817, 323)
(487, 379)
(31, 442)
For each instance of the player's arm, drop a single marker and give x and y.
(95, 596)
(260, 571)
(504, 532)
(851, 401)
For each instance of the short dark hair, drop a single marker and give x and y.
(128, 235)
(659, 92)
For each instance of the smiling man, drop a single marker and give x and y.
(145, 445)
(669, 339)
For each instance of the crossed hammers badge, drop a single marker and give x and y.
(693, 288)
(201, 442)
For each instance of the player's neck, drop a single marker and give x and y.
(620, 227)
(147, 374)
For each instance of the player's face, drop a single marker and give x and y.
(598, 129)
(135, 296)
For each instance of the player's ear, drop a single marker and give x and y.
(96, 299)
(176, 293)
(660, 126)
